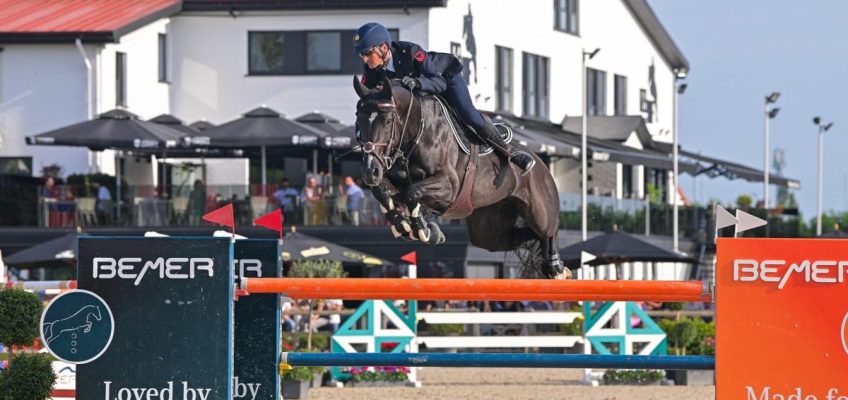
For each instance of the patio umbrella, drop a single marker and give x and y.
(261, 127)
(618, 247)
(201, 125)
(331, 127)
(116, 129)
(61, 251)
(298, 246)
(174, 123)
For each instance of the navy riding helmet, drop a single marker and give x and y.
(369, 36)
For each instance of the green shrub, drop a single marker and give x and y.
(691, 336)
(20, 314)
(299, 374)
(674, 306)
(317, 269)
(445, 329)
(29, 377)
(573, 329)
(632, 377)
(298, 341)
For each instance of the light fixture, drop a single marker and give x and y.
(772, 97)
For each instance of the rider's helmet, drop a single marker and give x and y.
(369, 36)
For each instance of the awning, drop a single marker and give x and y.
(714, 167)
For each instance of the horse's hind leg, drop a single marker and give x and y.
(552, 267)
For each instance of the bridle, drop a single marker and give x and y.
(393, 153)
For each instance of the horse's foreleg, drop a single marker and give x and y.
(434, 193)
(399, 223)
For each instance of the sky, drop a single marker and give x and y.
(739, 51)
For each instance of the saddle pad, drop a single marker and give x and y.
(464, 139)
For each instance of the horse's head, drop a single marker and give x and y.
(381, 121)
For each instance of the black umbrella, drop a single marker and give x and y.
(174, 123)
(262, 127)
(297, 246)
(331, 127)
(201, 125)
(116, 129)
(618, 247)
(61, 251)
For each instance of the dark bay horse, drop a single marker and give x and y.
(411, 159)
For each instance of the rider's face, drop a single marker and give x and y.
(374, 57)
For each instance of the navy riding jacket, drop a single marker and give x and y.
(432, 69)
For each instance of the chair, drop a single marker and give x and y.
(179, 209)
(259, 205)
(86, 211)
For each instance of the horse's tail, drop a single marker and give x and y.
(531, 254)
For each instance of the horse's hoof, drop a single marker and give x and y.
(564, 275)
(395, 232)
(424, 235)
(436, 235)
(406, 227)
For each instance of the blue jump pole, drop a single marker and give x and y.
(496, 360)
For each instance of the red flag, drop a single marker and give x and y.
(273, 221)
(222, 216)
(410, 257)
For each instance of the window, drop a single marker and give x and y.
(503, 81)
(596, 92)
(120, 79)
(163, 58)
(456, 49)
(565, 16)
(620, 95)
(643, 100)
(535, 86)
(16, 166)
(303, 52)
(626, 181)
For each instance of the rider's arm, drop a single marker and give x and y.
(430, 77)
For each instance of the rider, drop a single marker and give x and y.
(432, 72)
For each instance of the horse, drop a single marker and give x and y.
(410, 158)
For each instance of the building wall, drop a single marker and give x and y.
(210, 69)
(43, 88)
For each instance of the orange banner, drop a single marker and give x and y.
(782, 310)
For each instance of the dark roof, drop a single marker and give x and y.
(92, 21)
(662, 40)
(611, 127)
(713, 167)
(265, 5)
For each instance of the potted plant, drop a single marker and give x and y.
(379, 376)
(315, 269)
(690, 336)
(296, 382)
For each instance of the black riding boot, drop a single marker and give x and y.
(520, 158)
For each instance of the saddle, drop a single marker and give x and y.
(465, 135)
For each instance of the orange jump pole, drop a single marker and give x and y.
(480, 289)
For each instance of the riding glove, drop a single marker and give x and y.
(411, 83)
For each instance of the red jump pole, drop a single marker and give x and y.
(480, 289)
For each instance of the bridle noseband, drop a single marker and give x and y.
(392, 154)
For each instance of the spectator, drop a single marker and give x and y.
(335, 319)
(288, 322)
(286, 197)
(354, 200)
(105, 205)
(196, 203)
(313, 194)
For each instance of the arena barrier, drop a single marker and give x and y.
(782, 317)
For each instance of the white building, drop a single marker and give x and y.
(199, 59)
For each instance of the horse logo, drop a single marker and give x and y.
(82, 319)
(77, 326)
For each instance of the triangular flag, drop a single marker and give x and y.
(222, 216)
(724, 218)
(586, 257)
(273, 221)
(410, 257)
(747, 221)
